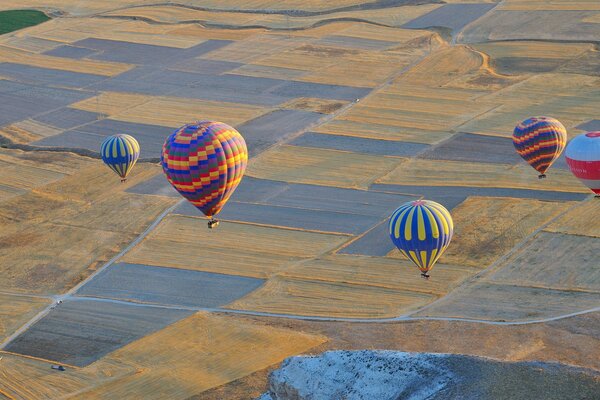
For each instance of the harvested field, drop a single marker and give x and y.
(176, 111)
(31, 44)
(531, 57)
(378, 131)
(576, 104)
(28, 378)
(578, 222)
(89, 225)
(67, 118)
(392, 16)
(292, 217)
(17, 310)
(358, 145)
(486, 228)
(323, 106)
(474, 148)
(47, 76)
(378, 272)
(79, 332)
(320, 167)
(284, 295)
(550, 5)
(453, 16)
(458, 173)
(553, 261)
(103, 68)
(493, 302)
(532, 24)
(268, 129)
(259, 252)
(146, 284)
(224, 351)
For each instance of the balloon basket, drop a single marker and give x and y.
(542, 176)
(424, 275)
(123, 180)
(213, 223)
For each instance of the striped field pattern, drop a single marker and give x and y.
(120, 152)
(205, 162)
(540, 141)
(422, 231)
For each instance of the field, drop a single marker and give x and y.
(14, 20)
(349, 109)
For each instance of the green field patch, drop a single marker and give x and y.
(13, 20)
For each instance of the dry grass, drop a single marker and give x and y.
(185, 242)
(28, 130)
(393, 16)
(553, 261)
(341, 126)
(69, 222)
(534, 49)
(320, 167)
(31, 44)
(193, 355)
(16, 310)
(166, 111)
(111, 103)
(334, 285)
(378, 272)
(469, 174)
(486, 228)
(295, 296)
(497, 302)
(571, 98)
(322, 106)
(578, 222)
(105, 68)
(550, 5)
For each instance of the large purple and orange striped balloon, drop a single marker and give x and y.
(540, 141)
(205, 162)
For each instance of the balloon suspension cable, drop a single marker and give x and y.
(542, 176)
(424, 275)
(213, 223)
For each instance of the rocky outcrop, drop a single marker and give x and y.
(391, 375)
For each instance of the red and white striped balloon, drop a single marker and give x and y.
(583, 157)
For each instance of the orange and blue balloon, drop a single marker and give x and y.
(583, 158)
(540, 141)
(422, 231)
(120, 152)
(205, 162)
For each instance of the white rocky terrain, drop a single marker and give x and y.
(390, 375)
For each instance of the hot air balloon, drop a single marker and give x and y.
(583, 158)
(540, 140)
(120, 152)
(205, 162)
(422, 231)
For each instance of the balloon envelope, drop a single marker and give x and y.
(120, 152)
(540, 141)
(205, 162)
(583, 158)
(422, 231)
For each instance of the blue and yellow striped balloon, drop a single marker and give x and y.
(120, 152)
(422, 231)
